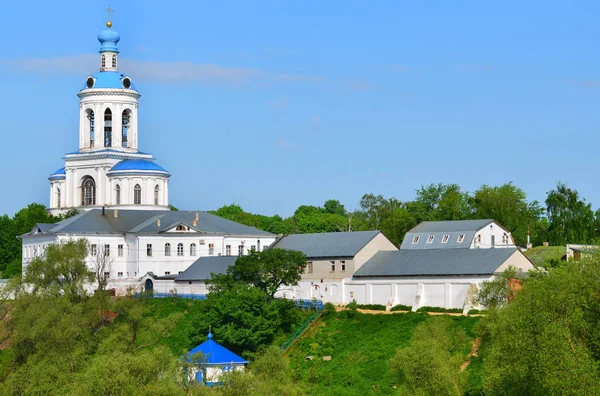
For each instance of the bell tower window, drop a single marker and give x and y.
(137, 195)
(108, 128)
(118, 195)
(125, 126)
(114, 61)
(102, 62)
(88, 192)
(58, 197)
(90, 117)
(156, 193)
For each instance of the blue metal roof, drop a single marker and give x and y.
(137, 165)
(109, 39)
(59, 174)
(109, 79)
(213, 353)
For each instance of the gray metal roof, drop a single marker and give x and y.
(328, 244)
(145, 222)
(435, 262)
(202, 268)
(451, 225)
(454, 229)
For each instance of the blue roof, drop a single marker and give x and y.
(213, 353)
(109, 39)
(59, 174)
(137, 165)
(109, 79)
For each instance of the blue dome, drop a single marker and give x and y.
(59, 174)
(109, 79)
(138, 165)
(109, 39)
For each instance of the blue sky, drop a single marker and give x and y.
(276, 104)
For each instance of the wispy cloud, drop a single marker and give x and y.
(361, 85)
(279, 103)
(203, 73)
(285, 144)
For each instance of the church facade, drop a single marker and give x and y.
(108, 170)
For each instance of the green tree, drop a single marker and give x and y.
(571, 218)
(507, 204)
(498, 292)
(545, 342)
(268, 270)
(430, 365)
(388, 215)
(333, 206)
(437, 202)
(61, 269)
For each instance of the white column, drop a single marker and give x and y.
(165, 201)
(117, 141)
(133, 129)
(82, 141)
(100, 187)
(98, 126)
(69, 189)
(52, 195)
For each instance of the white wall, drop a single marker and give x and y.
(502, 238)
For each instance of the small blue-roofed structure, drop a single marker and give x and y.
(214, 361)
(137, 166)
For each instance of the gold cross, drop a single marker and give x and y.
(109, 10)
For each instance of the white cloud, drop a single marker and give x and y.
(204, 73)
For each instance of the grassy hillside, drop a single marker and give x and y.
(360, 347)
(541, 256)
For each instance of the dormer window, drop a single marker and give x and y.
(430, 238)
(416, 239)
(461, 238)
(504, 238)
(478, 237)
(181, 227)
(445, 238)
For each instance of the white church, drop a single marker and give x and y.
(108, 170)
(122, 194)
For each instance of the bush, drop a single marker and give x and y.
(374, 307)
(477, 311)
(439, 309)
(401, 307)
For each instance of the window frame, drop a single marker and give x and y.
(227, 250)
(430, 239)
(309, 267)
(460, 238)
(193, 250)
(148, 250)
(446, 238)
(416, 239)
(137, 194)
(93, 249)
(180, 249)
(120, 250)
(167, 249)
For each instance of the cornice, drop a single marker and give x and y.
(109, 92)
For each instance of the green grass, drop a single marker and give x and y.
(360, 347)
(541, 255)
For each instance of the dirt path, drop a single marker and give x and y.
(377, 312)
(474, 352)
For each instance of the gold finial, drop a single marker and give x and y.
(109, 23)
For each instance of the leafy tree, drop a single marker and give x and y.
(545, 342)
(498, 292)
(430, 365)
(61, 269)
(274, 224)
(571, 218)
(269, 269)
(507, 204)
(437, 202)
(173, 208)
(388, 215)
(333, 206)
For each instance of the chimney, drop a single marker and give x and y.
(158, 223)
(116, 213)
(195, 222)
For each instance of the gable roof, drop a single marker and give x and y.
(451, 225)
(453, 228)
(214, 353)
(202, 268)
(435, 262)
(145, 222)
(327, 244)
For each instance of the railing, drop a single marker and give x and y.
(317, 305)
(173, 295)
(307, 325)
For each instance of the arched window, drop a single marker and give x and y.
(88, 191)
(180, 249)
(58, 197)
(193, 249)
(126, 118)
(156, 193)
(167, 249)
(118, 195)
(102, 62)
(137, 195)
(107, 128)
(114, 60)
(90, 117)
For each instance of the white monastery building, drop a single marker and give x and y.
(123, 195)
(108, 170)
